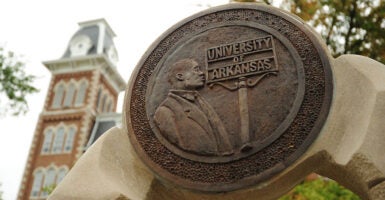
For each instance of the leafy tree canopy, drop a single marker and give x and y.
(15, 84)
(320, 189)
(347, 26)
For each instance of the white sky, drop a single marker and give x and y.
(40, 30)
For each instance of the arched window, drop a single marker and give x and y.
(59, 93)
(37, 183)
(49, 180)
(70, 139)
(69, 95)
(62, 172)
(48, 135)
(81, 94)
(59, 139)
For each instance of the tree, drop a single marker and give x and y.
(319, 189)
(347, 26)
(15, 84)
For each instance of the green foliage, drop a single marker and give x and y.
(49, 189)
(320, 189)
(348, 26)
(15, 84)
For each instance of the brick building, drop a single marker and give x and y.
(80, 105)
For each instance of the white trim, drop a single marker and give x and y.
(101, 38)
(83, 133)
(32, 152)
(98, 21)
(94, 62)
(65, 112)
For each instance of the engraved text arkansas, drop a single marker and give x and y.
(259, 53)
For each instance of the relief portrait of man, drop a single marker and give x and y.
(185, 118)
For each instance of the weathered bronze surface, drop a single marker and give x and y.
(228, 98)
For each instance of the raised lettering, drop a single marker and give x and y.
(245, 68)
(218, 52)
(222, 72)
(237, 69)
(249, 46)
(242, 48)
(259, 42)
(229, 71)
(228, 50)
(260, 65)
(253, 66)
(236, 48)
(267, 42)
(216, 74)
(267, 63)
(210, 54)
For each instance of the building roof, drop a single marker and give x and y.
(98, 32)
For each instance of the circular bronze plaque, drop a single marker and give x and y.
(228, 97)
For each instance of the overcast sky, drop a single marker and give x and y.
(40, 30)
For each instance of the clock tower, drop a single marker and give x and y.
(82, 94)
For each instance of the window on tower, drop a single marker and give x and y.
(81, 93)
(49, 180)
(62, 172)
(59, 139)
(70, 139)
(38, 177)
(48, 136)
(44, 178)
(58, 98)
(69, 95)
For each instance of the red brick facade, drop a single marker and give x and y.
(81, 87)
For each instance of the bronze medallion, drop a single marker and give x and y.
(228, 98)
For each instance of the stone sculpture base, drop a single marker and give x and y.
(350, 149)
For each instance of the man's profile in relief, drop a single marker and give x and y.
(185, 119)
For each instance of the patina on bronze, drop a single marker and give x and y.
(228, 98)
